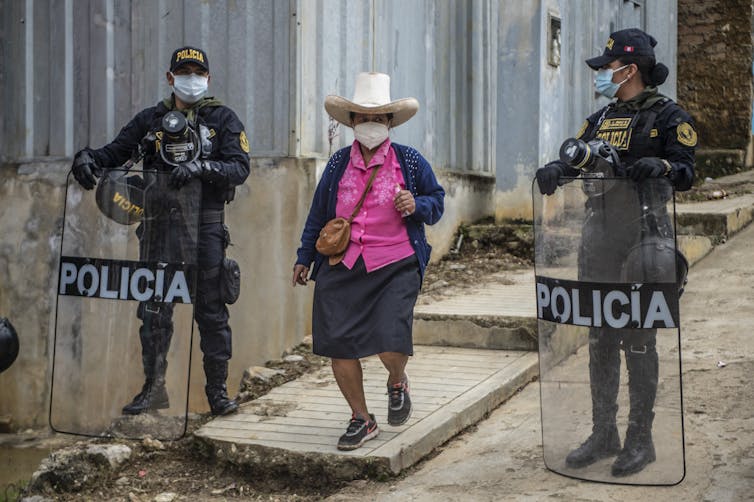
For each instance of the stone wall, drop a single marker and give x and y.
(715, 80)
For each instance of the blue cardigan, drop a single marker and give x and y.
(420, 181)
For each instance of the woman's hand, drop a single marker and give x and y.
(404, 201)
(300, 274)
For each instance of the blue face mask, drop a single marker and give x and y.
(604, 84)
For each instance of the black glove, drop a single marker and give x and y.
(549, 175)
(646, 167)
(85, 169)
(183, 173)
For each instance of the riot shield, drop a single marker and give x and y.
(124, 310)
(608, 282)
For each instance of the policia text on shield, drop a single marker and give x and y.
(630, 155)
(200, 147)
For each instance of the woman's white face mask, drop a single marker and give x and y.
(370, 134)
(190, 88)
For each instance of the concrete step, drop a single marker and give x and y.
(716, 219)
(296, 426)
(500, 314)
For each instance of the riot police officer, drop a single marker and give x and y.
(222, 165)
(654, 138)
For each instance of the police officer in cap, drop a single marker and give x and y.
(222, 165)
(654, 138)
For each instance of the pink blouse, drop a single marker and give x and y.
(378, 232)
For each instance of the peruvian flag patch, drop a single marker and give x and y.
(628, 48)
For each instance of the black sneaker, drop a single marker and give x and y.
(359, 431)
(399, 403)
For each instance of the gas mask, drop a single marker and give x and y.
(180, 142)
(598, 161)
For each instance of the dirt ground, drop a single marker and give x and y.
(178, 470)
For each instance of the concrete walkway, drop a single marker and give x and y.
(473, 353)
(451, 388)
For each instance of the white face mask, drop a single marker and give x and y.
(370, 134)
(190, 88)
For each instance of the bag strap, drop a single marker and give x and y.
(364, 195)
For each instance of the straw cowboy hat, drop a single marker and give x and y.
(371, 96)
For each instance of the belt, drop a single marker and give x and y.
(213, 216)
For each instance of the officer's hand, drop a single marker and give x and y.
(647, 167)
(548, 177)
(300, 273)
(183, 173)
(85, 169)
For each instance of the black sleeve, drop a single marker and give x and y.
(588, 128)
(115, 154)
(679, 145)
(232, 160)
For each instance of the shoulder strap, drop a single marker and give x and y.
(364, 195)
(653, 112)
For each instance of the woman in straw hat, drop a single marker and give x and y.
(364, 299)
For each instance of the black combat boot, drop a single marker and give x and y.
(217, 393)
(638, 448)
(154, 349)
(604, 376)
(153, 395)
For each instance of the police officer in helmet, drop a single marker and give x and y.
(222, 165)
(654, 138)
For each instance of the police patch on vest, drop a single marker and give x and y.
(583, 128)
(621, 140)
(617, 123)
(617, 305)
(126, 280)
(243, 141)
(686, 134)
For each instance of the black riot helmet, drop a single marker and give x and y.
(121, 197)
(8, 344)
(656, 259)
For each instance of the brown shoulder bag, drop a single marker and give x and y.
(335, 235)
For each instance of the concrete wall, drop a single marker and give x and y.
(271, 316)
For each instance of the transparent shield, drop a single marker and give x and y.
(124, 310)
(607, 284)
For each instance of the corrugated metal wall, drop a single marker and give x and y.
(76, 70)
(82, 68)
(438, 52)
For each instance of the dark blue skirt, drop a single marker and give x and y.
(357, 314)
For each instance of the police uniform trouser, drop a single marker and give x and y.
(211, 313)
(640, 349)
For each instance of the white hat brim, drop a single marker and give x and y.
(340, 109)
